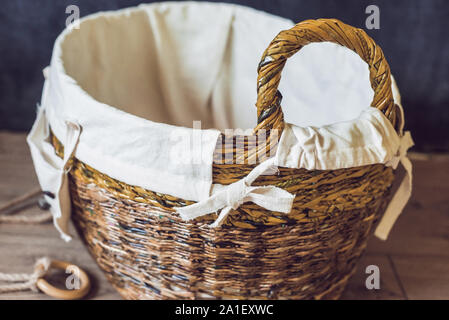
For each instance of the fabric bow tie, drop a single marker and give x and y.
(232, 196)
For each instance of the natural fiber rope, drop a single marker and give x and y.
(35, 219)
(34, 281)
(24, 281)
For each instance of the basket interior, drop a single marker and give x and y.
(179, 63)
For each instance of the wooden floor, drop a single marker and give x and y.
(413, 263)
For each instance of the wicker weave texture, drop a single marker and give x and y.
(148, 252)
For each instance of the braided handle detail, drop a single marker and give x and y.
(288, 42)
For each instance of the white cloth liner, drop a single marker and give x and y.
(52, 170)
(133, 80)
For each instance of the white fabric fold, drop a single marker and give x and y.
(52, 173)
(232, 196)
(368, 139)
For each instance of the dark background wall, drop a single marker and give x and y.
(413, 35)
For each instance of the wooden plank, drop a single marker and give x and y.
(17, 174)
(423, 227)
(424, 277)
(390, 288)
(22, 245)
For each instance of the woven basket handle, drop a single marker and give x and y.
(288, 42)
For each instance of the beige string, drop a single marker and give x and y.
(24, 281)
(35, 281)
(35, 219)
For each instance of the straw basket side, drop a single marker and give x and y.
(148, 252)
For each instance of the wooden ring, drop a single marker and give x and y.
(52, 291)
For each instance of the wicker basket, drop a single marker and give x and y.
(308, 254)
